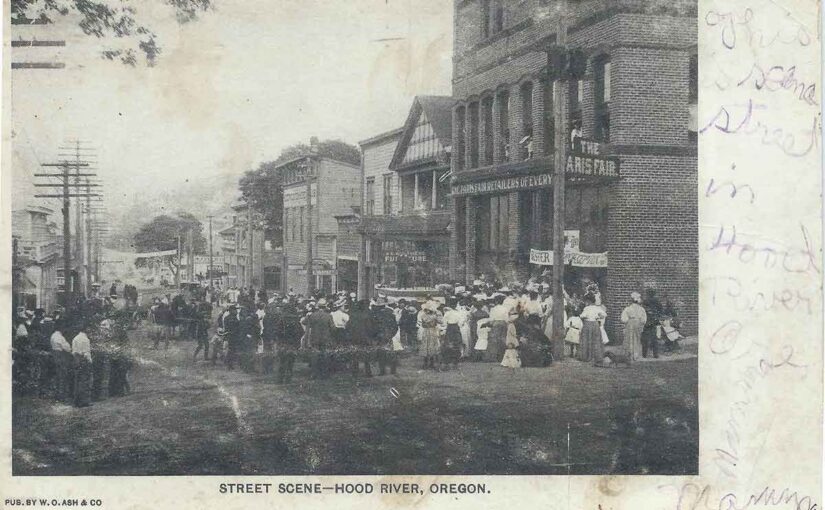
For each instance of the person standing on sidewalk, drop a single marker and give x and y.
(653, 310)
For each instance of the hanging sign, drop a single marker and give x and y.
(571, 240)
(576, 259)
(590, 161)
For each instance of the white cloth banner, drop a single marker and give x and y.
(150, 254)
(573, 258)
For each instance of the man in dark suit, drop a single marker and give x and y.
(320, 330)
(385, 329)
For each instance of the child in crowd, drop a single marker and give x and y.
(573, 327)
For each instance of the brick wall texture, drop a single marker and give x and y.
(652, 231)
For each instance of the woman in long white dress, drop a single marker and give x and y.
(464, 328)
(634, 318)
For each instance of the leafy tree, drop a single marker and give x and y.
(262, 187)
(100, 19)
(161, 234)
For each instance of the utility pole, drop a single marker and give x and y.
(250, 248)
(559, 163)
(190, 255)
(177, 270)
(310, 277)
(88, 253)
(209, 269)
(66, 195)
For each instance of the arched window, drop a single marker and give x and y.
(602, 70)
(504, 124)
(526, 142)
(461, 120)
(487, 118)
(473, 135)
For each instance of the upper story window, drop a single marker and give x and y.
(504, 124)
(693, 98)
(575, 97)
(461, 121)
(526, 141)
(387, 202)
(369, 197)
(602, 99)
(549, 116)
(492, 17)
(487, 119)
(473, 135)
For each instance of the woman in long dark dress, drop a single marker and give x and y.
(499, 320)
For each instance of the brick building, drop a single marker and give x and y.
(407, 210)
(334, 191)
(636, 101)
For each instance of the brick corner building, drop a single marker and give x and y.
(636, 101)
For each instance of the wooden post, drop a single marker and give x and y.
(560, 160)
(310, 276)
(68, 301)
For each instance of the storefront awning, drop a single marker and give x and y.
(425, 224)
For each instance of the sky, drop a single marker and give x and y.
(228, 92)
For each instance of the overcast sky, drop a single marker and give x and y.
(228, 91)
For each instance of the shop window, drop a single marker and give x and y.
(487, 108)
(461, 119)
(387, 203)
(369, 197)
(504, 124)
(473, 135)
(525, 144)
(549, 119)
(602, 99)
(693, 98)
(575, 96)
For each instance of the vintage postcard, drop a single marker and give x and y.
(556, 254)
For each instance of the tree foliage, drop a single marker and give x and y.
(100, 18)
(162, 233)
(262, 187)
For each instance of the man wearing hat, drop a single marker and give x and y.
(361, 332)
(407, 323)
(385, 328)
(319, 332)
(340, 318)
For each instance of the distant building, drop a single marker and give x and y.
(310, 223)
(347, 250)
(36, 254)
(238, 269)
(407, 207)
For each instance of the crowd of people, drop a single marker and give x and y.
(508, 325)
(84, 355)
(73, 356)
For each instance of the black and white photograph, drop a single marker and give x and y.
(362, 237)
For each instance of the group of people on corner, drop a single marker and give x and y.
(509, 325)
(74, 357)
